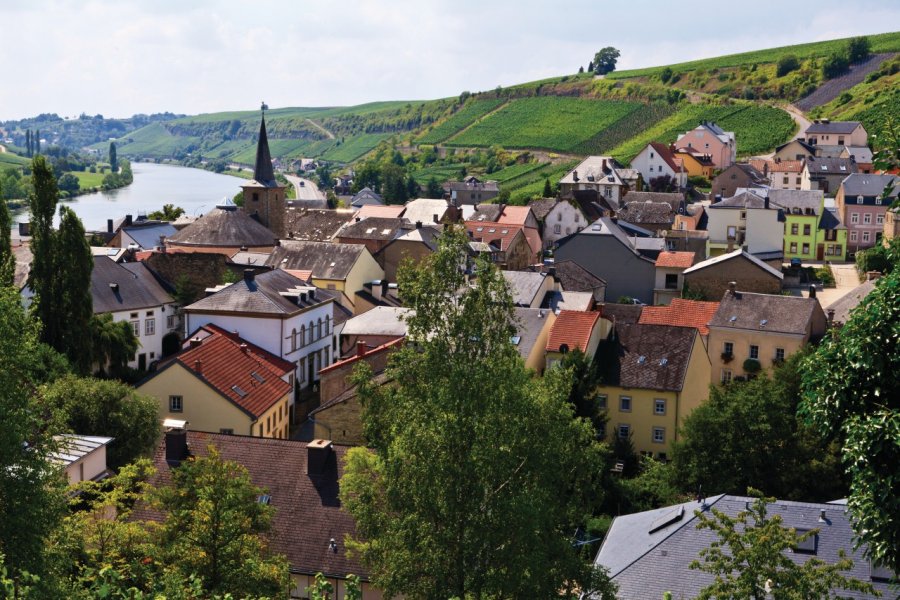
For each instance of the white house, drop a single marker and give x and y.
(598, 174)
(82, 457)
(558, 218)
(130, 292)
(658, 160)
(745, 221)
(279, 312)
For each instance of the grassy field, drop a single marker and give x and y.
(9, 159)
(441, 173)
(548, 123)
(757, 128)
(152, 140)
(468, 114)
(884, 42)
(87, 180)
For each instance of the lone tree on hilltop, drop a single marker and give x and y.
(605, 60)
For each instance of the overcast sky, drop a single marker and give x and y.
(123, 57)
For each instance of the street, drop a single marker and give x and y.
(307, 190)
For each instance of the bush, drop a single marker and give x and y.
(786, 64)
(845, 98)
(835, 65)
(666, 75)
(752, 365)
(858, 49)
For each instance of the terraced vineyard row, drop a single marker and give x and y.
(547, 122)
(468, 114)
(625, 129)
(534, 189)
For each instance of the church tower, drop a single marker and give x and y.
(263, 196)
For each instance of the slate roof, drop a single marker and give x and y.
(790, 200)
(263, 295)
(590, 170)
(231, 365)
(675, 260)
(573, 277)
(837, 127)
(681, 313)
(810, 149)
(765, 312)
(843, 307)
(650, 357)
(325, 260)
(609, 227)
(381, 320)
(541, 207)
(831, 219)
(366, 197)
(424, 210)
(224, 226)
(316, 225)
(861, 154)
(524, 285)
(250, 259)
(457, 186)
(709, 262)
(308, 511)
(867, 184)
(622, 314)
(649, 553)
(674, 200)
(263, 172)
(136, 287)
(372, 228)
(817, 165)
(742, 200)
(573, 329)
(427, 234)
(147, 236)
(486, 212)
(529, 322)
(652, 213)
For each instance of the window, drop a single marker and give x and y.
(559, 216)
(878, 201)
(838, 250)
(671, 281)
(327, 325)
(625, 403)
(136, 327)
(854, 218)
(726, 376)
(865, 236)
(226, 431)
(608, 191)
(853, 236)
(732, 232)
(651, 155)
(859, 199)
(302, 370)
(779, 354)
(170, 322)
(176, 403)
(793, 247)
(754, 352)
(879, 219)
(326, 356)
(728, 348)
(601, 401)
(805, 248)
(659, 435)
(785, 180)
(149, 326)
(794, 229)
(624, 431)
(659, 406)
(293, 339)
(867, 219)
(743, 215)
(798, 181)
(557, 229)
(302, 335)
(806, 230)
(840, 140)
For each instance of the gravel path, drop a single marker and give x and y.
(833, 88)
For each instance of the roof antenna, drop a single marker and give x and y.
(701, 499)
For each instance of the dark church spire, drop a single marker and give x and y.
(263, 172)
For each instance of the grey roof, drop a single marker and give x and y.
(459, 186)
(528, 323)
(765, 312)
(647, 211)
(739, 253)
(861, 154)
(839, 127)
(843, 307)
(672, 199)
(524, 285)
(609, 227)
(486, 212)
(790, 199)
(742, 200)
(810, 149)
(424, 210)
(273, 292)
(147, 236)
(325, 260)
(817, 165)
(427, 234)
(119, 287)
(541, 207)
(263, 172)
(315, 225)
(365, 196)
(381, 320)
(649, 553)
(750, 170)
(622, 314)
(372, 228)
(831, 219)
(653, 357)
(573, 277)
(73, 448)
(867, 184)
(225, 227)
(557, 301)
(250, 259)
(590, 170)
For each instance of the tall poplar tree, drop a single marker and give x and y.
(7, 260)
(37, 141)
(113, 158)
(28, 143)
(42, 203)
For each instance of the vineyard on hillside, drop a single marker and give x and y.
(465, 116)
(547, 122)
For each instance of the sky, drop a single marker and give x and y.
(118, 58)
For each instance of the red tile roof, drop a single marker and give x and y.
(667, 155)
(681, 313)
(302, 274)
(572, 328)
(377, 210)
(308, 512)
(231, 365)
(514, 215)
(676, 260)
(503, 234)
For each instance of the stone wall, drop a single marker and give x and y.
(713, 281)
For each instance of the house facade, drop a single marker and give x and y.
(557, 219)
(738, 175)
(745, 220)
(658, 160)
(824, 132)
(826, 174)
(711, 139)
(712, 276)
(595, 174)
(862, 208)
(670, 267)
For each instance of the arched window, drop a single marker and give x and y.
(319, 329)
(302, 335)
(327, 325)
(293, 339)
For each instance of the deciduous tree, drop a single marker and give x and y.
(455, 498)
(605, 60)
(859, 49)
(7, 258)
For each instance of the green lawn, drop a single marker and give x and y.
(87, 180)
(548, 122)
(7, 158)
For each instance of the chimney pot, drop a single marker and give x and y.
(360, 348)
(109, 226)
(830, 316)
(198, 366)
(418, 224)
(812, 291)
(732, 287)
(195, 342)
(128, 220)
(317, 453)
(176, 446)
(244, 348)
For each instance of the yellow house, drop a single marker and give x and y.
(342, 268)
(654, 376)
(751, 332)
(221, 383)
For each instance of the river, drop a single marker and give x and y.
(194, 190)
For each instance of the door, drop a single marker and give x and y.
(142, 362)
(820, 252)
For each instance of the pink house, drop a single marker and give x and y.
(710, 139)
(862, 209)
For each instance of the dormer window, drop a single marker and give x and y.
(878, 201)
(859, 199)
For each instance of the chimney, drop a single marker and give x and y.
(436, 220)
(376, 289)
(732, 287)
(196, 342)
(198, 366)
(418, 224)
(109, 226)
(176, 445)
(384, 287)
(360, 348)
(830, 317)
(249, 275)
(812, 291)
(317, 454)
(551, 272)
(766, 203)
(244, 348)
(162, 241)
(128, 220)
(574, 175)
(114, 287)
